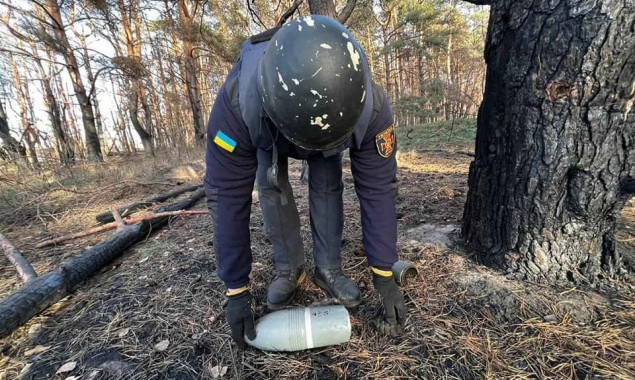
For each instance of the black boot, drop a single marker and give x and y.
(338, 286)
(283, 287)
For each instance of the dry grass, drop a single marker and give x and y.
(466, 321)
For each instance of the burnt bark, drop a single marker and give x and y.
(41, 292)
(555, 139)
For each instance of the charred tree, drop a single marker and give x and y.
(555, 142)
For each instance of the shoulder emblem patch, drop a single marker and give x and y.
(385, 141)
(225, 142)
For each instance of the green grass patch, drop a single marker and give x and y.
(459, 134)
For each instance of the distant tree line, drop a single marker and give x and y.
(165, 61)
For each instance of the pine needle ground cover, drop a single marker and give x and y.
(157, 312)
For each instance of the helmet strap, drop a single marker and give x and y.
(272, 172)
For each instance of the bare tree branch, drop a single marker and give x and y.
(254, 15)
(346, 12)
(117, 217)
(285, 16)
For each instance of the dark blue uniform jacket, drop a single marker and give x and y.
(230, 179)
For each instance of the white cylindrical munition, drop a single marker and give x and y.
(302, 328)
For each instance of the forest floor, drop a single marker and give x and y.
(157, 311)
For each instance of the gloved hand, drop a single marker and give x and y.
(240, 316)
(393, 318)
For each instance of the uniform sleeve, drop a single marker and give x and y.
(376, 186)
(229, 183)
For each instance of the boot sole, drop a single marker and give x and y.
(279, 306)
(325, 288)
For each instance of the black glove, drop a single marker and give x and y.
(240, 316)
(393, 319)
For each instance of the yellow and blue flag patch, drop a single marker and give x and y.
(225, 141)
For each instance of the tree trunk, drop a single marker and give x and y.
(64, 150)
(555, 139)
(88, 117)
(91, 81)
(386, 54)
(323, 7)
(447, 94)
(32, 135)
(68, 120)
(129, 13)
(24, 113)
(189, 33)
(13, 146)
(169, 113)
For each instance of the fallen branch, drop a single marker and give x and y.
(118, 220)
(113, 225)
(22, 265)
(106, 217)
(43, 291)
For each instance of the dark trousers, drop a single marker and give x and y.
(282, 223)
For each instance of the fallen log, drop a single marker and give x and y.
(107, 216)
(43, 291)
(22, 265)
(113, 225)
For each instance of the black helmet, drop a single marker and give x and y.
(313, 82)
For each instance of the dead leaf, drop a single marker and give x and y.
(66, 367)
(36, 350)
(162, 345)
(72, 378)
(123, 332)
(216, 372)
